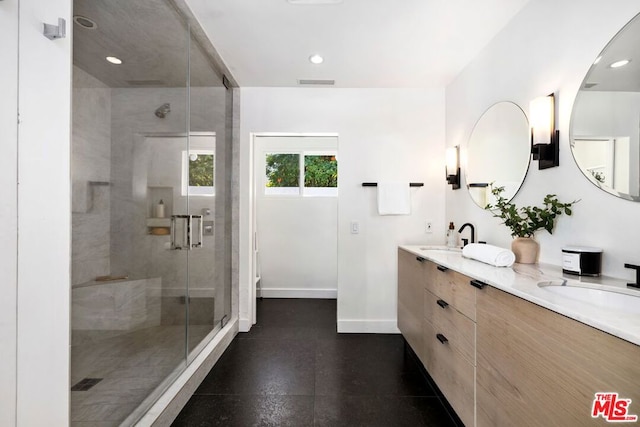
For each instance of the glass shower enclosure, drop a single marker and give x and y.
(150, 205)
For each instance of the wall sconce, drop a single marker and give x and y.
(545, 139)
(453, 167)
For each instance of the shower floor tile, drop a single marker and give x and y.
(131, 366)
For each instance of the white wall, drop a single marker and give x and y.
(548, 47)
(44, 220)
(384, 134)
(8, 208)
(297, 235)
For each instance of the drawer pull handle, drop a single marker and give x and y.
(442, 338)
(420, 259)
(442, 303)
(442, 268)
(478, 284)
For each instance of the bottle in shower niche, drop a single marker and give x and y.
(452, 236)
(160, 209)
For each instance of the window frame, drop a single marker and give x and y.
(303, 191)
(197, 191)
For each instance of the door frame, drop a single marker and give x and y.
(249, 245)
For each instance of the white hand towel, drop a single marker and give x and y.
(489, 254)
(394, 198)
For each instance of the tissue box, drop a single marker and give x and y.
(582, 260)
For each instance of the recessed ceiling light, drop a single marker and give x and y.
(114, 60)
(597, 60)
(620, 63)
(316, 59)
(85, 22)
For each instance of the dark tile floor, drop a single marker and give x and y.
(293, 369)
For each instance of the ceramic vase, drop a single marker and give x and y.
(526, 250)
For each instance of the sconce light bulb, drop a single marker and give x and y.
(452, 160)
(541, 111)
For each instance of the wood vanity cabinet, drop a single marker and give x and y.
(449, 336)
(503, 361)
(436, 315)
(410, 294)
(536, 367)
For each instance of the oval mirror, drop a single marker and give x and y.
(498, 153)
(605, 122)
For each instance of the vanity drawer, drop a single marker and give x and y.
(410, 299)
(453, 373)
(429, 276)
(457, 328)
(456, 289)
(410, 282)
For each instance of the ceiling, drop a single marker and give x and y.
(365, 43)
(151, 39)
(602, 77)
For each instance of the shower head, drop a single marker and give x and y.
(163, 110)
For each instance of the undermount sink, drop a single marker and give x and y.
(440, 248)
(611, 299)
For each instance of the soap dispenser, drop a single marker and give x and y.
(160, 209)
(452, 236)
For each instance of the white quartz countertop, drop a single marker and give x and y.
(522, 281)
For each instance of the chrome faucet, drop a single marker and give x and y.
(473, 233)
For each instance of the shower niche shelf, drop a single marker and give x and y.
(159, 226)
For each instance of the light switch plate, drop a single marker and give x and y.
(355, 227)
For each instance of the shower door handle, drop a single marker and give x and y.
(179, 225)
(182, 232)
(198, 243)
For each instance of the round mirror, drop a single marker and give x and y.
(498, 153)
(605, 128)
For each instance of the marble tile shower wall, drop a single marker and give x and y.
(133, 251)
(91, 162)
(110, 235)
(105, 310)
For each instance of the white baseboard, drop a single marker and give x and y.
(298, 293)
(368, 326)
(244, 325)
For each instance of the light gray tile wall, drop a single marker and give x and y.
(235, 205)
(116, 306)
(133, 251)
(133, 118)
(90, 162)
(224, 211)
(110, 235)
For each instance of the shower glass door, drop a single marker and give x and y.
(207, 181)
(150, 177)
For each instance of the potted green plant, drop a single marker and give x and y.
(525, 221)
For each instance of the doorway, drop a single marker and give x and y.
(295, 216)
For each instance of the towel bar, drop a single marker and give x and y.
(375, 184)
